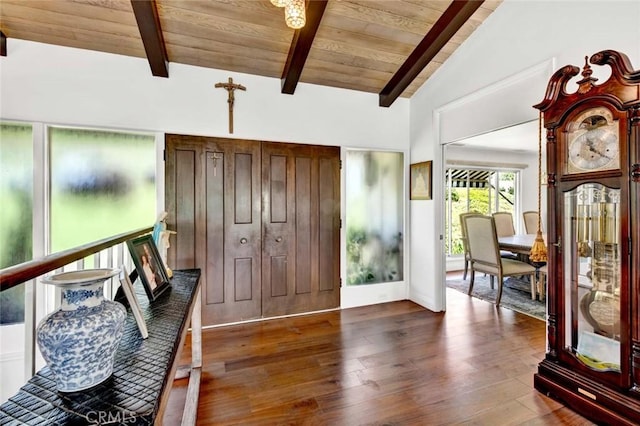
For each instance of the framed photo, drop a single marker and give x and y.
(129, 292)
(150, 267)
(598, 352)
(420, 177)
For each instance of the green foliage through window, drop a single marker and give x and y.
(102, 183)
(483, 190)
(374, 209)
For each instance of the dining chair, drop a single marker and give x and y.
(505, 228)
(504, 224)
(530, 219)
(465, 244)
(542, 281)
(485, 255)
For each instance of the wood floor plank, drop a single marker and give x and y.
(393, 363)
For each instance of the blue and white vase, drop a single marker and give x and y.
(79, 341)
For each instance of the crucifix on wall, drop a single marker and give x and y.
(230, 87)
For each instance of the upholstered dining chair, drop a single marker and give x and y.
(465, 244)
(542, 281)
(530, 219)
(485, 255)
(505, 228)
(504, 224)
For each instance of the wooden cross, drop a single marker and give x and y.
(230, 87)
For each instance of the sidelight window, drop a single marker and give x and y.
(16, 199)
(102, 184)
(374, 216)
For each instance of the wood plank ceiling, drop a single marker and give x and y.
(389, 47)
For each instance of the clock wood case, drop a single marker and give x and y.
(592, 362)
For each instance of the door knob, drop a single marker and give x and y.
(279, 240)
(243, 240)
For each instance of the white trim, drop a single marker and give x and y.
(160, 164)
(543, 69)
(35, 306)
(486, 164)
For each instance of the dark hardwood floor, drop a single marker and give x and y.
(388, 364)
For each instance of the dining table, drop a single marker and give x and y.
(521, 244)
(518, 243)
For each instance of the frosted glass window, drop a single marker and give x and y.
(102, 184)
(374, 216)
(16, 201)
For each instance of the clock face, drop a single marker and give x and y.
(593, 142)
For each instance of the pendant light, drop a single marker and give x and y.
(294, 14)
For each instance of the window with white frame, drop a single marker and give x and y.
(484, 190)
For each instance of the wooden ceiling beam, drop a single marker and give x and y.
(3, 44)
(300, 46)
(149, 24)
(445, 27)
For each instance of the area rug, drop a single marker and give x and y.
(515, 294)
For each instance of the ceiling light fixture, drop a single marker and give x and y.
(294, 14)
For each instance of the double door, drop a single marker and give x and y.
(260, 219)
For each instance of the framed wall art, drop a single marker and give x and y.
(420, 179)
(149, 265)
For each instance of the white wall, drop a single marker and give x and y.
(60, 85)
(514, 41)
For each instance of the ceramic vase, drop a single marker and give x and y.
(79, 340)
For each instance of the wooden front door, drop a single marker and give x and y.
(250, 215)
(213, 192)
(300, 228)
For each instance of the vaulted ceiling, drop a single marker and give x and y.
(388, 47)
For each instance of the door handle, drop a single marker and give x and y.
(243, 240)
(278, 239)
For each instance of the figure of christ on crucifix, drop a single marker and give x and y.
(231, 88)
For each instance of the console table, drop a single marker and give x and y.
(143, 372)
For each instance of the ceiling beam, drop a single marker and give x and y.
(149, 24)
(445, 27)
(3, 44)
(300, 46)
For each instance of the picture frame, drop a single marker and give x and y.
(132, 299)
(598, 352)
(149, 265)
(420, 178)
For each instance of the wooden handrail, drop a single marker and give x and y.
(14, 275)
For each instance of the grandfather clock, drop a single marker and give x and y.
(593, 161)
